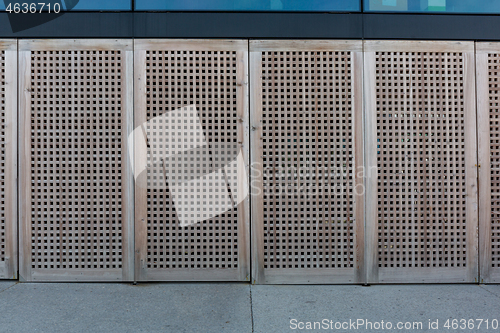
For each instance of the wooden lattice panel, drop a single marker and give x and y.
(2, 156)
(76, 116)
(305, 147)
(488, 93)
(494, 93)
(8, 159)
(191, 105)
(425, 160)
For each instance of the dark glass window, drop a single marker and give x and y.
(433, 6)
(249, 5)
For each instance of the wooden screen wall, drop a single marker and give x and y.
(307, 210)
(205, 82)
(421, 215)
(76, 203)
(362, 167)
(488, 109)
(8, 159)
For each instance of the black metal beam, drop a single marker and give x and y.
(68, 25)
(431, 27)
(254, 26)
(248, 25)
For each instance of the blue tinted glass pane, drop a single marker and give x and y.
(433, 6)
(257, 5)
(100, 4)
(91, 5)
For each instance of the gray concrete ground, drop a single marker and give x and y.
(235, 307)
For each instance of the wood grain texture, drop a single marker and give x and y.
(307, 103)
(370, 168)
(257, 170)
(426, 159)
(486, 48)
(424, 275)
(359, 162)
(305, 45)
(488, 126)
(243, 177)
(193, 275)
(76, 44)
(191, 44)
(8, 45)
(8, 157)
(76, 113)
(128, 271)
(471, 172)
(77, 275)
(417, 46)
(483, 134)
(209, 78)
(25, 255)
(306, 276)
(426, 194)
(140, 163)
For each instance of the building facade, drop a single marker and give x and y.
(279, 141)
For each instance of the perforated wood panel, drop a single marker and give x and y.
(305, 147)
(8, 159)
(76, 115)
(488, 93)
(494, 93)
(2, 157)
(425, 156)
(191, 115)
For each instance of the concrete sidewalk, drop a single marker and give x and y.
(234, 307)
